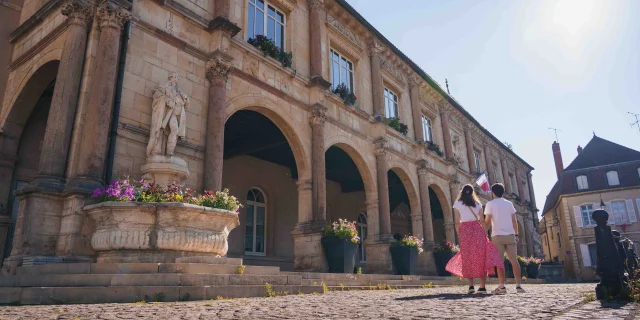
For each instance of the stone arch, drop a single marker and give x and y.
(447, 211)
(409, 186)
(283, 120)
(343, 142)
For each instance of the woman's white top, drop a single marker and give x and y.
(466, 213)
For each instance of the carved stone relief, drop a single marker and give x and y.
(342, 29)
(386, 64)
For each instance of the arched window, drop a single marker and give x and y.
(583, 184)
(362, 233)
(612, 178)
(254, 238)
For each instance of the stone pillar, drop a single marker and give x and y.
(57, 137)
(317, 19)
(425, 202)
(318, 169)
(382, 162)
(446, 134)
(505, 176)
(519, 184)
(531, 192)
(469, 142)
(222, 8)
(217, 73)
(416, 108)
(528, 230)
(305, 196)
(449, 222)
(308, 254)
(489, 161)
(93, 145)
(377, 88)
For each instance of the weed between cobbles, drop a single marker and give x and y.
(240, 270)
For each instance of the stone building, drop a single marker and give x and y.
(263, 123)
(603, 173)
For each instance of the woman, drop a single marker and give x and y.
(477, 256)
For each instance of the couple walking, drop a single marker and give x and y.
(478, 256)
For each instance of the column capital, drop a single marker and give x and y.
(315, 4)
(318, 115)
(423, 166)
(218, 67)
(111, 15)
(77, 12)
(375, 49)
(380, 146)
(415, 81)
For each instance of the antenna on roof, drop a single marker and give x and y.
(556, 131)
(446, 82)
(637, 120)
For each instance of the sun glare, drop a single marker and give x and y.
(575, 16)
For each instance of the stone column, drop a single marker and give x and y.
(382, 162)
(93, 145)
(528, 230)
(57, 137)
(222, 8)
(307, 248)
(489, 161)
(519, 184)
(425, 202)
(449, 222)
(217, 73)
(416, 108)
(446, 134)
(318, 169)
(377, 88)
(317, 19)
(531, 192)
(505, 176)
(469, 142)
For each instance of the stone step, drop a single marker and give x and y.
(167, 279)
(127, 294)
(142, 268)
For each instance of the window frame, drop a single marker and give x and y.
(427, 128)
(388, 94)
(623, 214)
(362, 226)
(589, 212)
(351, 84)
(476, 160)
(593, 254)
(617, 177)
(266, 16)
(559, 240)
(255, 210)
(586, 181)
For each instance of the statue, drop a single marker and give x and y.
(168, 118)
(610, 264)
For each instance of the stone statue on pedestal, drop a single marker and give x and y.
(610, 264)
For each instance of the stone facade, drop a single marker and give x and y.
(101, 62)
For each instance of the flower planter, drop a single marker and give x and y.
(532, 270)
(405, 259)
(158, 232)
(441, 259)
(340, 254)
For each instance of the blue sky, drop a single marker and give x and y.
(520, 67)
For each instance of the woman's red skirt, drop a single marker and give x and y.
(477, 256)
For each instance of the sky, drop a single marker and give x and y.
(522, 67)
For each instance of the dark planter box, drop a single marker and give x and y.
(340, 254)
(405, 259)
(532, 271)
(441, 259)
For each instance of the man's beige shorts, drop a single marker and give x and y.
(506, 244)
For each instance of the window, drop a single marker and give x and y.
(254, 239)
(612, 178)
(270, 20)
(593, 254)
(390, 104)
(619, 211)
(426, 129)
(341, 71)
(583, 184)
(638, 172)
(476, 160)
(587, 220)
(495, 172)
(362, 233)
(559, 242)
(513, 184)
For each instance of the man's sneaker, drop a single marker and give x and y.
(500, 290)
(482, 290)
(472, 290)
(519, 289)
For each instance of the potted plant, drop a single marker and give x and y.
(140, 222)
(442, 254)
(397, 125)
(533, 267)
(347, 95)
(404, 254)
(340, 243)
(269, 48)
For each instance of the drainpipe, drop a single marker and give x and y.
(113, 131)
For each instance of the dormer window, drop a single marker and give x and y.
(583, 183)
(612, 179)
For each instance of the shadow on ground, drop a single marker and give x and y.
(447, 296)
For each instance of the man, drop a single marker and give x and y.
(501, 214)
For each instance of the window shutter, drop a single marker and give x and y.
(578, 215)
(631, 211)
(586, 256)
(607, 207)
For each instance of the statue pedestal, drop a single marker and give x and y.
(163, 170)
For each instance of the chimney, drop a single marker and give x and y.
(557, 158)
(579, 149)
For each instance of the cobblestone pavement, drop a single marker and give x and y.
(566, 301)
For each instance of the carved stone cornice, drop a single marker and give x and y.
(318, 115)
(218, 67)
(423, 167)
(416, 82)
(77, 12)
(388, 65)
(111, 15)
(225, 25)
(34, 20)
(381, 146)
(343, 30)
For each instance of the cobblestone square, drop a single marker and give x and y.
(566, 301)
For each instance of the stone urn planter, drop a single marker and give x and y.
(532, 270)
(405, 259)
(158, 232)
(441, 259)
(340, 254)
